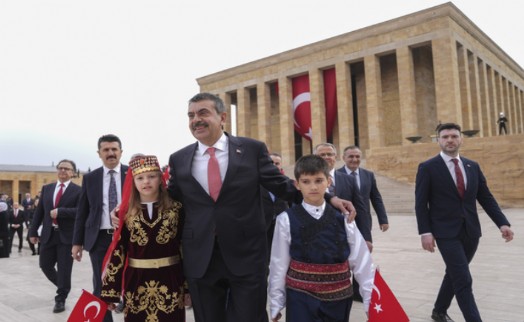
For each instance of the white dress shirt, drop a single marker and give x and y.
(105, 223)
(360, 261)
(451, 167)
(57, 188)
(201, 159)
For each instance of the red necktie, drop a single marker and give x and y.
(214, 181)
(57, 200)
(460, 179)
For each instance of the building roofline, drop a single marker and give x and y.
(447, 9)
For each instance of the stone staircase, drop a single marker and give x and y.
(399, 197)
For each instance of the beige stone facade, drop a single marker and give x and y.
(394, 80)
(16, 181)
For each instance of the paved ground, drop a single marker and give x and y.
(412, 274)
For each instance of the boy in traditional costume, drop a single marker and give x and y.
(143, 264)
(313, 253)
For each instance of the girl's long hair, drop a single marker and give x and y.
(135, 205)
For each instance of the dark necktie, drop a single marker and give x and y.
(57, 200)
(354, 174)
(331, 188)
(460, 179)
(214, 181)
(112, 194)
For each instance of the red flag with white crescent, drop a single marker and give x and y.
(302, 106)
(330, 100)
(88, 308)
(384, 306)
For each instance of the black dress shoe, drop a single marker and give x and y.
(59, 307)
(440, 317)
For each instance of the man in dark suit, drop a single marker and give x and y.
(447, 189)
(367, 186)
(16, 224)
(224, 241)
(56, 213)
(345, 187)
(28, 205)
(101, 192)
(4, 229)
(27, 202)
(271, 204)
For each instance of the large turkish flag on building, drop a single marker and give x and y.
(302, 106)
(88, 308)
(384, 306)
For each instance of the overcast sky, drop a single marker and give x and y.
(72, 70)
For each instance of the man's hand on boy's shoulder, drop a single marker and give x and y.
(345, 207)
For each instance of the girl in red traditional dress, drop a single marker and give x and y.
(143, 264)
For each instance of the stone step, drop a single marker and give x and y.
(399, 197)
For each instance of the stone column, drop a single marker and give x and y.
(285, 104)
(465, 88)
(16, 190)
(264, 112)
(475, 108)
(226, 98)
(407, 94)
(243, 112)
(447, 89)
(513, 104)
(374, 101)
(520, 111)
(318, 106)
(505, 100)
(485, 100)
(492, 81)
(346, 129)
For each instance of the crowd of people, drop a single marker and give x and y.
(227, 230)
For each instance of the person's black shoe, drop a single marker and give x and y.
(440, 317)
(59, 307)
(20, 250)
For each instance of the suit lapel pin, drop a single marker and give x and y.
(238, 151)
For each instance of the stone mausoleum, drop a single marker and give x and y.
(385, 88)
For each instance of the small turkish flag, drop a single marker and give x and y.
(88, 308)
(384, 306)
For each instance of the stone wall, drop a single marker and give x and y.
(500, 157)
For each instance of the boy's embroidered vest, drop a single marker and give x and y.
(319, 255)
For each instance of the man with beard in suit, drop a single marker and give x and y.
(447, 189)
